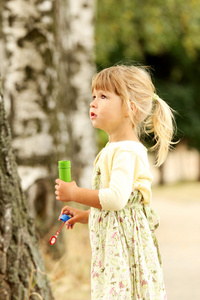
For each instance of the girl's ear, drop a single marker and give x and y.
(130, 109)
(133, 108)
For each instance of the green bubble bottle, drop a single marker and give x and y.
(64, 168)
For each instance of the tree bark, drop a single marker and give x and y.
(30, 82)
(22, 273)
(75, 39)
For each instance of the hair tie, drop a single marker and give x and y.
(155, 97)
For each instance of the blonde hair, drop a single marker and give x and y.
(134, 86)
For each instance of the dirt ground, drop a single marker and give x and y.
(178, 236)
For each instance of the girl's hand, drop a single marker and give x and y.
(77, 216)
(64, 190)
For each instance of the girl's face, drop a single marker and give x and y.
(107, 111)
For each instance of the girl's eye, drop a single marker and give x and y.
(102, 96)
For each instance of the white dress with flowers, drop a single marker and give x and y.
(126, 262)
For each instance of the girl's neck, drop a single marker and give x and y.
(127, 136)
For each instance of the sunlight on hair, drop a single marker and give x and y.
(133, 85)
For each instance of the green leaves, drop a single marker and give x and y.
(164, 35)
(136, 27)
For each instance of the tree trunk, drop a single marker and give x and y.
(161, 171)
(30, 82)
(75, 40)
(199, 168)
(22, 274)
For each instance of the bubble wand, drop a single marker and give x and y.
(65, 175)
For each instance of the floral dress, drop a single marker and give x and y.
(126, 262)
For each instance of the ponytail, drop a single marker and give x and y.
(162, 123)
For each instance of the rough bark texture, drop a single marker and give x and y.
(30, 81)
(45, 130)
(22, 274)
(76, 68)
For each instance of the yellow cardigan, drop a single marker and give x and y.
(124, 167)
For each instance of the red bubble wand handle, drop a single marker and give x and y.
(53, 239)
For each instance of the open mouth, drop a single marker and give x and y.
(93, 115)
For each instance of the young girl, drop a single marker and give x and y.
(126, 262)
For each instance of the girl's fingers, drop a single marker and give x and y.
(71, 212)
(66, 210)
(61, 214)
(71, 222)
(58, 181)
(68, 225)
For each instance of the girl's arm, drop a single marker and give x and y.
(69, 191)
(77, 216)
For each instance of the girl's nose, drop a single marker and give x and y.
(93, 103)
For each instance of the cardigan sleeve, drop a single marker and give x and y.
(122, 174)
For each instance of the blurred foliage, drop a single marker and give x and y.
(164, 35)
(102, 139)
